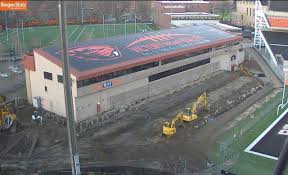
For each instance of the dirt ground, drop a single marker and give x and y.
(137, 135)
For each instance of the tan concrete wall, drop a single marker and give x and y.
(28, 86)
(136, 86)
(53, 100)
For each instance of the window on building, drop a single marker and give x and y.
(254, 12)
(48, 75)
(46, 89)
(189, 55)
(60, 78)
(250, 12)
(116, 74)
(178, 70)
(247, 11)
(242, 17)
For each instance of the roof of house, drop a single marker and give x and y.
(193, 14)
(277, 22)
(278, 42)
(97, 57)
(184, 2)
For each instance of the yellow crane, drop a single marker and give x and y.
(191, 113)
(7, 117)
(170, 128)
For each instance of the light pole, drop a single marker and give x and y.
(103, 24)
(125, 27)
(135, 23)
(6, 26)
(67, 90)
(82, 12)
(22, 36)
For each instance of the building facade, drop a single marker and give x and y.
(131, 68)
(163, 9)
(244, 15)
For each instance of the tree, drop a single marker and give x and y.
(143, 9)
(223, 8)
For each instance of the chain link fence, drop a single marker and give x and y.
(231, 148)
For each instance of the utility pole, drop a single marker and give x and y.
(17, 30)
(125, 27)
(282, 160)
(67, 90)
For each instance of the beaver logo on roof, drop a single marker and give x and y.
(95, 52)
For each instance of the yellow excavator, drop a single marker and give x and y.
(244, 70)
(7, 117)
(170, 128)
(191, 113)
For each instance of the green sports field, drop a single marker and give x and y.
(37, 37)
(229, 153)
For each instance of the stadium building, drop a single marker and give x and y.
(113, 72)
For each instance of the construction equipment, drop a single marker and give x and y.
(191, 113)
(170, 128)
(243, 70)
(7, 117)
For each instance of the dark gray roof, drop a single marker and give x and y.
(278, 42)
(99, 53)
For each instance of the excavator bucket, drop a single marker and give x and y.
(168, 131)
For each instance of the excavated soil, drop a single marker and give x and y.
(137, 135)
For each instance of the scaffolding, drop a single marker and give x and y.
(261, 23)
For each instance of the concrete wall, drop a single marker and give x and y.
(161, 20)
(135, 87)
(28, 86)
(174, 9)
(53, 100)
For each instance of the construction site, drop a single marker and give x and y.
(133, 137)
(145, 100)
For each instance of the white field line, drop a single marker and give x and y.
(58, 36)
(73, 32)
(248, 149)
(80, 34)
(9, 34)
(148, 27)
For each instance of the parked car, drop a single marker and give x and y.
(4, 74)
(17, 70)
(13, 66)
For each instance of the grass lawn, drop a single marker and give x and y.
(37, 37)
(241, 162)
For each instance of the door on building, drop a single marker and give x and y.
(98, 107)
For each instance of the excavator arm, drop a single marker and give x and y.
(170, 128)
(191, 113)
(6, 116)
